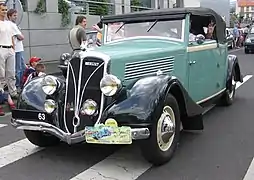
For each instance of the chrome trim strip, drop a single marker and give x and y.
(145, 37)
(137, 133)
(150, 60)
(76, 112)
(202, 47)
(87, 83)
(65, 99)
(106, 58)
(144, 75)
(210, 97)
(148, 67)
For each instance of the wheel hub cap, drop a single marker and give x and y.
(167, 129)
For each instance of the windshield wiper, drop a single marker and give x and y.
(152, 26)
(120, 28)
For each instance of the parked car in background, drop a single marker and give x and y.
(145, 82)
(230, 38)
(249, 43)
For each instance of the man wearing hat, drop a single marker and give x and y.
(31, 69)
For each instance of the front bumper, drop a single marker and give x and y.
(137, 133)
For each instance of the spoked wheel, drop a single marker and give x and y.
(165, 133)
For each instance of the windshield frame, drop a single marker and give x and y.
(105, 32)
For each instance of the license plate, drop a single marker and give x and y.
(108, 135)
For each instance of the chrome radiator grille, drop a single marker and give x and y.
(148, 67)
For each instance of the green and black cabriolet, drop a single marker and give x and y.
(155, 72)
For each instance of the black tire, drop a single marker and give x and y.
(232, 45)
(41, 139)
(246, 51)
(229, 95)
(150, 147)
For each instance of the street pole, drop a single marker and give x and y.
(14, 4)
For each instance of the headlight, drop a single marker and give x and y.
(89, 107)
(65, 57)
(49, 106)
(248, 40)
(110, 84)
(49, 84)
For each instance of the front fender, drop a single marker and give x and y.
(142, 99)
(234, 64)
(32, 96)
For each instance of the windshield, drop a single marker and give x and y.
(171, 29)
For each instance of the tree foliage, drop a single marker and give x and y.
(101, 9)
(135, 3)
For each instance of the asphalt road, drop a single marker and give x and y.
(224, 150)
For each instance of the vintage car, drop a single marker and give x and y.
(147, 82)
(249, 42)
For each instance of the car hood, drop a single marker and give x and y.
(137, 47)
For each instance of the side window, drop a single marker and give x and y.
(204, 25)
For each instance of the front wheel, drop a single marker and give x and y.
(246, 51)
(165, 133)
(41, 139)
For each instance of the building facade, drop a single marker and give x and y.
(245, 8)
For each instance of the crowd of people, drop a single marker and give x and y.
(14, 73)
(239, 35)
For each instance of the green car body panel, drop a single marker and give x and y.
(132, 59)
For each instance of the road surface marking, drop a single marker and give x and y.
(3, 125)
(126, 164)
(238, 84)
(250, 172)
(246, 78)
(16, 151)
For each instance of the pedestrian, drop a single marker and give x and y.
(7, 53)
(98, 28)
(39, 71)
(236, 35)
(5, 97)
(19, 49)
(77, 35)
(30, 69)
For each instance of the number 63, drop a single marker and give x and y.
(41, 116)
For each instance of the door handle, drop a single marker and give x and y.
(192, 62)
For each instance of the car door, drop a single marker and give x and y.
(202, 69)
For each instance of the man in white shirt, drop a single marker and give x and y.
(19, 48)
(7, 52)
